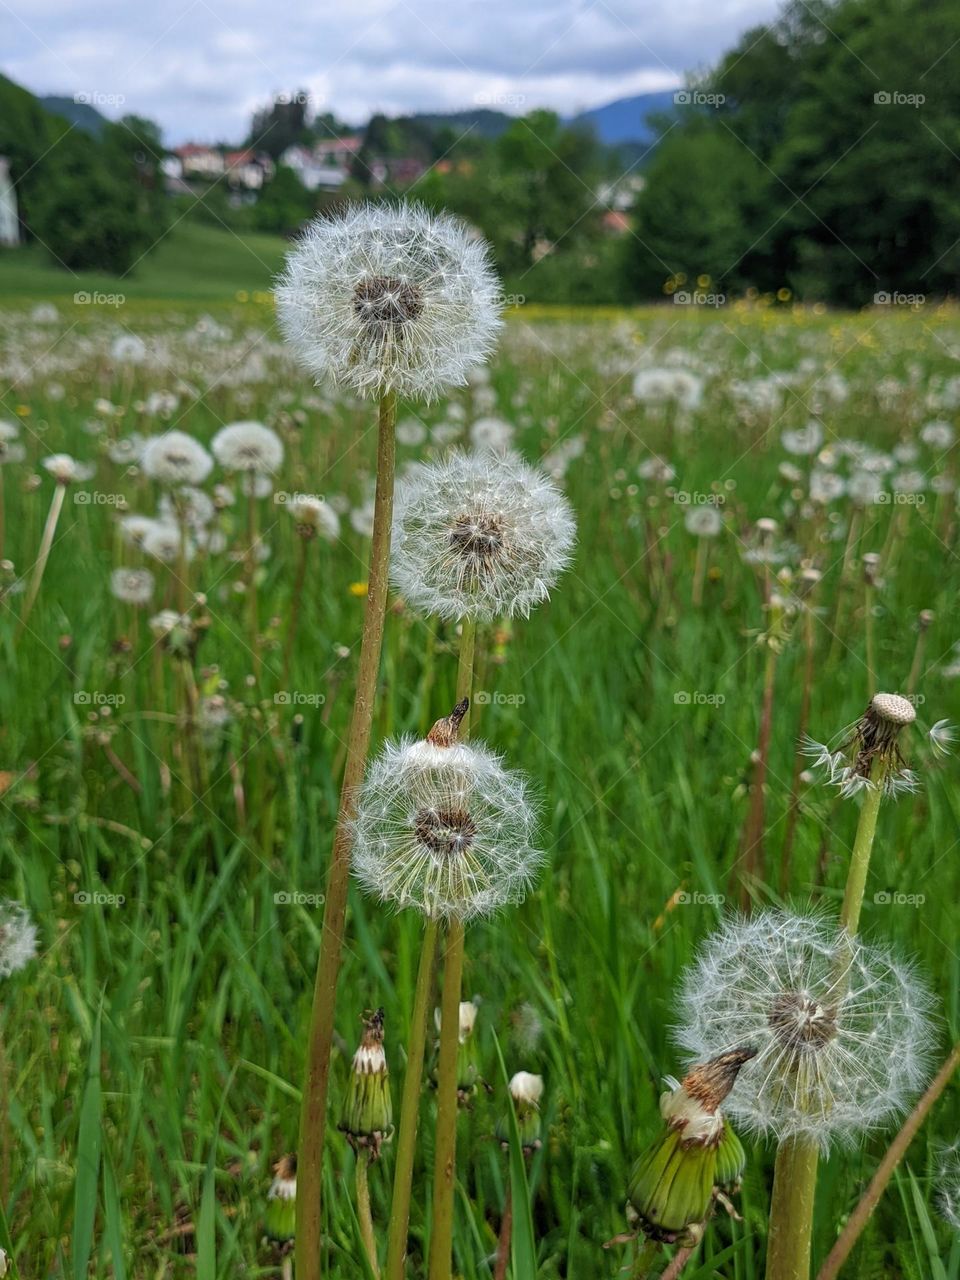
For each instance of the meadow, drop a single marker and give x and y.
(168, 820)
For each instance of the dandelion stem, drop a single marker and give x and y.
(868, 623)
(791, 1209)
(885, 1170)
(646, 1256)
(410, 1108)
(506, 1235)
(699, 572)
(46, 542)
(253, 539)
(862, 848)
(364, 1214)
(445, 1148)
(298, 585)
(317, 1078)
(793, 812)
(752, 850)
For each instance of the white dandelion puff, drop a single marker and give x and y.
(480, 536)
(248, 446)
(703, 522)
(167, 543)
(176, 458)
(947, 1196)
(132, 586)
(11, 450)
(66, 470)
(18, 938)
(446, 830)
(390, 298)
(493, 434)
(314, 517)
(841, 1029)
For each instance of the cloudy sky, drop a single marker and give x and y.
(200, 67)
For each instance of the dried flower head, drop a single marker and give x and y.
(480, 536)
(18, 938)
(390, 298)
(280, 1221)
(132, 586)
(867, 754)
(841, 1029)
(248, 446)
(176, 458)
(442, 827)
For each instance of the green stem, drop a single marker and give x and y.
(791, 1210)
(862, 848)
(363, 1212)
(869, 628)
(878, 1184)
(445, 1149)
(410, 1109)
(317, 1078)
(646, 1256)
(46, 542)
(298, 587)
(252, 606)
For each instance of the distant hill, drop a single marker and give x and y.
(626, 120)
(481, 120)
(79, 113)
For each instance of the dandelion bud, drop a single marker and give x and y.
(368, 1110)
(468, 1071)
(526, 1090)
(731, 1161)
(280, 1219)
(671, 1186)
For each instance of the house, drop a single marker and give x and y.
(313, 172)
(338, 153)
(248, 169)
(9, 218)
(200, 162)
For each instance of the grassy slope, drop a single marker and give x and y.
(192, 262)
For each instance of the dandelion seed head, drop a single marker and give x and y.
(841, 1029)
(390, 298)
(132, 586)
(176, 458)
(67, 470)
(479, 535)
(248, 446)
(18, 938)
(446, 830)
(313, 516)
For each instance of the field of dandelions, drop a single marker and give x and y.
(767, 534)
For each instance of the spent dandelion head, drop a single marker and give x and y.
(868, 754)
(390, 298)
(175, 458)
(248, 446)
(841, 1030)
(132, 586)
(479, 536)
(314, 518)
(367, 1119)
(67, 470)
(444, 828)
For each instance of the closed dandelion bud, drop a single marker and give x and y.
(368, 1111)
(671, 1186)
(526, 1090)
(468, 1071)
(279, 1221)
(731, 1161)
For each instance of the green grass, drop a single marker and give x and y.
(192, 262)
(199, 980)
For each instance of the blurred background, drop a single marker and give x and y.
(610, 152)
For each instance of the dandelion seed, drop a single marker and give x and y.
(479, 536)
(390, 298)
(176, 459)
(841, 1029)
(248, 446)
